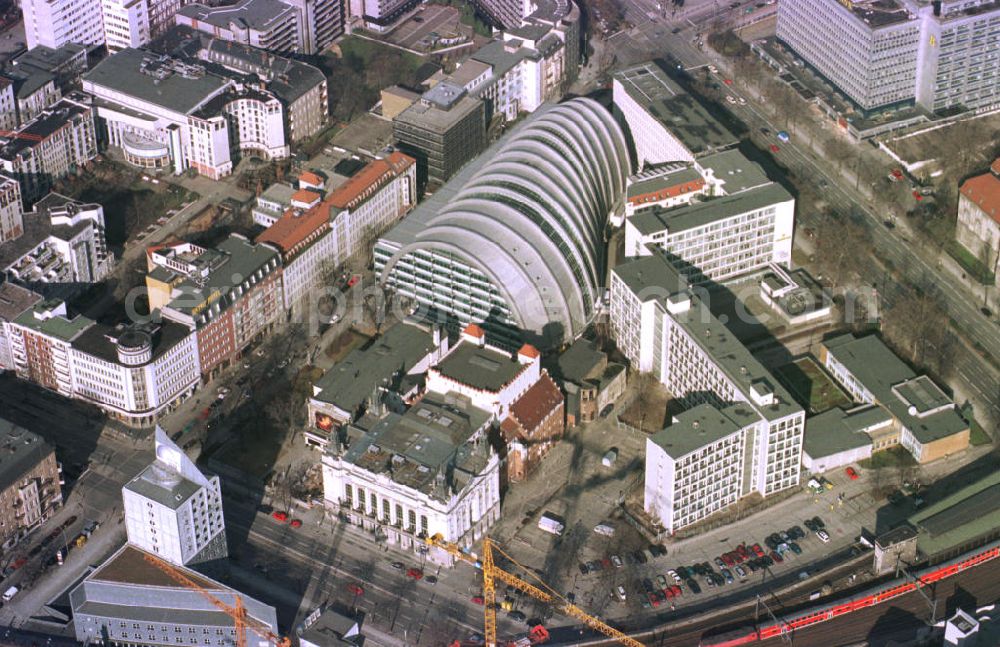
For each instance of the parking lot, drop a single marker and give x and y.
(574, 485)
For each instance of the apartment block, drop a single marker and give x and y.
(590, 381)
(662, 326)
(938, 55)
(412, 475)
(231, 296)
(62, 245)
(14, 301)
(380, 15)
(54, 143)
(133, 23)
(130, 600)
(694, 466)
(666, 123)
(926, 421)
(318, 235)
(30, 490)
(54, 23)
(41, 339)
(289, 26)
(173, 510)
(978, 226)
(443, 131)
(36, 79)
(268, 24)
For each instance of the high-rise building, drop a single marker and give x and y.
(173, 510)
(133, 23)
(29, 482)
(514, 242)
(443, 131)
(940, 54)
(755, 445)
(54, 23)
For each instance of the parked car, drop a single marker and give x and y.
(852, 473)
(757, 550)
(430, 579)
(280, 516)
(584, 569)
(414, 573)
(823, 536)
(796, 532)
(295, 523)
(672, 573)
(397, 565)
(355, 589)
(776, 556)
(620, 592)
(691, 584)
(795, 548)
(742, 572)
(617, 561)
(818, 522)
(516, 616)
(719, 562)
(639, 557)
(727, 575)
(811, 525)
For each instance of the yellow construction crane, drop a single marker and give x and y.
(241, 621)
(542, 592)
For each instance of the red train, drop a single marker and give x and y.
(840, 607)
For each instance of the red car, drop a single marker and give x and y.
(728, 81)
(676, 591)
(774, 148)
(776, 557)
(654, 598)
(757, 550)
(728, 560)
(295, 523)
(737, 557)
(741, 550)
(280, 516)
(355, 589)
(353, 280)
(415, 573)
(478, 599)
(916, 194)
(852, 473)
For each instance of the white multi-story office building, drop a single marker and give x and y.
(173, 510)
(293, 26)
(133, 23)
(694, 466)
(135, 373)
(662, 327)
(165, 112)
(54, 23)
(63, 243)
(425, 472)
(268, 24)
(722, 238)
(939, 55)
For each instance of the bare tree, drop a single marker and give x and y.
(840, 240)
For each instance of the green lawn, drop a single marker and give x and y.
(977, 435)
(969, 263)
(896, 456)
(810, 386)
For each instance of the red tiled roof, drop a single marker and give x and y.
(295, 226)
(995, 166)
(473, 330)
(537, 403)
(310, 178)
(669, 192)
(306, 196)
(984, 191)
(529, 351)
(371, 175)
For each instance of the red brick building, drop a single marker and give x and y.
(535, 422)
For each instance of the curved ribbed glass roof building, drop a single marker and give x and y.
(515, 241)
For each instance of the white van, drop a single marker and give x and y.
(549, 523)
(9, 594)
